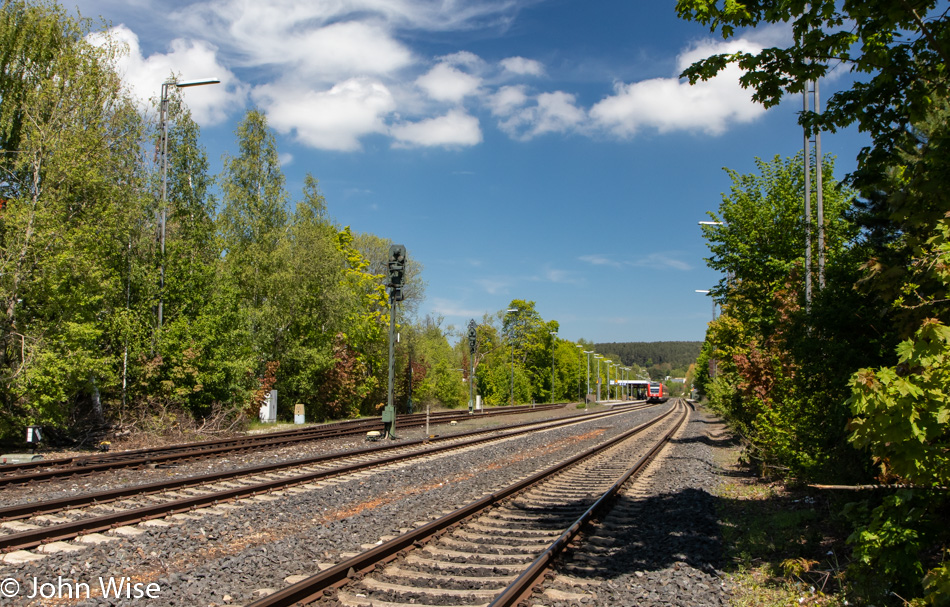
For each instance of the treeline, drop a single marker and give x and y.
(850, 382)
(659, 358)
(123, 304)
(137, 301)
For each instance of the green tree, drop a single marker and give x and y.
(530, 337)
(199, 359)
(71, 202)
(899, 49)
(777, 363)
(254, 218)
(366, 318)
(252, 225)
(760, 241)
(904, 215)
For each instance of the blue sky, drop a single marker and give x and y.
(521, 149)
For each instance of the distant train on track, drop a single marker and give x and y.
(657, 393)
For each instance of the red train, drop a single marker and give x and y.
(657, 393)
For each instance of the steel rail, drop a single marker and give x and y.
(35, 537)
(522, 586)
(342, 428)
(314, 587)
(334, 429)
(86, 465)
(20, 511)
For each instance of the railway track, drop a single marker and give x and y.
(493, 550)
(44, 470)
(32, 525)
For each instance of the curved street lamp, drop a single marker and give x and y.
(706, 292)
(163, 126)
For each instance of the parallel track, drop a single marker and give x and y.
(183, 495)
(492, 551)
(43, 470)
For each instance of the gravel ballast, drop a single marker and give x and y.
(233, 554)
(660, 545)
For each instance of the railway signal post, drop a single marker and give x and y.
(472, 344)
(397, 277)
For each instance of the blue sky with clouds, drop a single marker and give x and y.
(531, 149)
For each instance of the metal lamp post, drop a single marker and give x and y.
(610, 390)
(598, 357)
(713, 224)
(163, 126)
(553, 346)
(705, 291)
(579, 384)
(512, 311)
(586, 394)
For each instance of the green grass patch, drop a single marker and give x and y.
(782, 545)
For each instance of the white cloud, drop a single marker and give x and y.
(316, 37)
(334, 119)
(452, 309)
(522, 66)
(600, 260)
(413, 15)
(493, 287)
(453, 129)
(669, 104)
(446, 83)
(507, 99)
(560, 276)
(464, 58)
(186, 60)
(552, 113)
(335, 71)
(652, 260)
(661, 260)
(342, 49)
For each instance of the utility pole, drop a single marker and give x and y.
(811, 94)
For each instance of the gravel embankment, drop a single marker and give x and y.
(233, 554)
(660, 545)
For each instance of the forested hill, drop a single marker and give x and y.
(654, 354)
